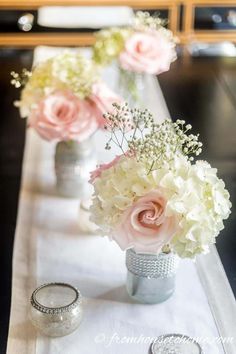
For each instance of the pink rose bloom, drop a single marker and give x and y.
(144, 225)
(150, 52)
(105, 166)
(63, 116)
(102, 98)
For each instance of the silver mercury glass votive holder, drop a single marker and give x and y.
(56, 309)
(151, 277)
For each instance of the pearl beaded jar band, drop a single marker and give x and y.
(162, 265)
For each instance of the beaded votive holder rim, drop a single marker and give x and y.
(55, 310)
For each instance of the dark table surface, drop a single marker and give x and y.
(202, 91)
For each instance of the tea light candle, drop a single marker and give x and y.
(56, 309)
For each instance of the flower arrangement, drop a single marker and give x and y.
(154, 197)
(64, 97)
(144, 46)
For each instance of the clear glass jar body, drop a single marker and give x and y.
(73, 163)
(151, 277)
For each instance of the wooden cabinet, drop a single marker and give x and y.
(190, 31)
(184, 19)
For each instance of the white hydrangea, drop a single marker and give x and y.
(116, 190)
(194, 193)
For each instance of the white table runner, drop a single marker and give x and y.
(49, 247)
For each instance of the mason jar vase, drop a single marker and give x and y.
(73, 163)
(151, 277)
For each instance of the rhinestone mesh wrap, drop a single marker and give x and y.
(152, 266)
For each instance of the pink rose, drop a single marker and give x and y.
(63, 116)
(150, 52)
(144, 225)
(105, 166)
(102, 98)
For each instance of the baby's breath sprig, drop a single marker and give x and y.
(136, 134)
(164, 142)
(20, 79)
(189, 143)
(126, 125)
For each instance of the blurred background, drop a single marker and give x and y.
(200, 88)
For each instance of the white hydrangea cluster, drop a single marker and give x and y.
(194, 194)
(116, 189)
(66, 71)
